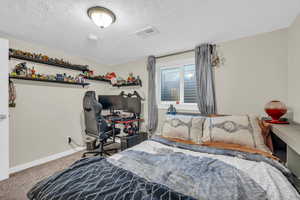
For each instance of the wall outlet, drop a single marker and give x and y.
(69, 140)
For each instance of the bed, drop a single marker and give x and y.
(162, 168)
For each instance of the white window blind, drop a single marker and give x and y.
(178, 84)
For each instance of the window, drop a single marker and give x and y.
(177, 84)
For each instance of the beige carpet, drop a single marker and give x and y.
(16, 187)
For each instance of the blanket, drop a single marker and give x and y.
(162, 169)
(96, 179)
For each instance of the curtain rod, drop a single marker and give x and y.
(178, 53)
(174, 54)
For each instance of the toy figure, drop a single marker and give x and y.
(138, 80)
(114, 81)
(110, 75)
(13, 73)
(59, 77)
(86, 73)
(21, 69)
(130, 78)
(81, 79)
(33, 75)
(90, 73)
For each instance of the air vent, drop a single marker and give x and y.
(147, 32)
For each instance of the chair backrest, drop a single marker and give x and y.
(92, 112)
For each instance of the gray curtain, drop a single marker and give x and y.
(152, 105)
(206, 98)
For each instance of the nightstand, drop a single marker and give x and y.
(132, 140)
(290, 137)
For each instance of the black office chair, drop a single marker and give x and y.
(95, 124)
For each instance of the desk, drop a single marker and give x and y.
(290, 134)
(128, 122)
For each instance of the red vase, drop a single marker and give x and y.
(275, 109)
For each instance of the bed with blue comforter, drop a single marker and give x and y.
(159, 169)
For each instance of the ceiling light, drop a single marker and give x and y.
(101, 16)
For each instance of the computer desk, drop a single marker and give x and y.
(118, 119)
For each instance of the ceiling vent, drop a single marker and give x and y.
(147, 32)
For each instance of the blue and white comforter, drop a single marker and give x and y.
(160, 169)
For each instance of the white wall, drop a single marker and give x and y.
(45, 113)
(255, 72)
(4, 134)
(294, 68)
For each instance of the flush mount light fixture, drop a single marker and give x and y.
(101, 16)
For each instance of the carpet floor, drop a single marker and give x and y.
(18, 184)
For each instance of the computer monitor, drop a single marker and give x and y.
(115, 102)
(133, 105)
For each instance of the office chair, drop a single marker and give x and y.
(95, 124)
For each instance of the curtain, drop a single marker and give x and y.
(152, 105)
(206, 99)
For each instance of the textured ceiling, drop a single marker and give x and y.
(64, 24)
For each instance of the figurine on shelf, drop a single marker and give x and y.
(91, 73)
(114, 81)
(130, 78)
(138, 81)
(81, 79)
(65, 77)
(77, 79)
(21, 69)
(13, 73)
(120, 81)
(59, 77)
(45, 58)
(33, 75)
(51, 77)
(110, 75)
(86, 73)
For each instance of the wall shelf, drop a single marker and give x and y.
(72, 67)
(108, 81)
(49, 81)
(127, 85)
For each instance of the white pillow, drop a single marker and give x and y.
(184, 127)
(235, 129)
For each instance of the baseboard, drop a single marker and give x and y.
(2, 178)
(34, 163)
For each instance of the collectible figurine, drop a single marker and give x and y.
(110, 75)
(138, 81)
(114, 81)
(21, 69)
(33, 75)
(90, 73)
(130, 78)
(120, 81)
(171, 110)
(59, 77)
(81, 79)
(86, 73)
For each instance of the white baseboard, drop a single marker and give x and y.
(2, 178)
(34, 163)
